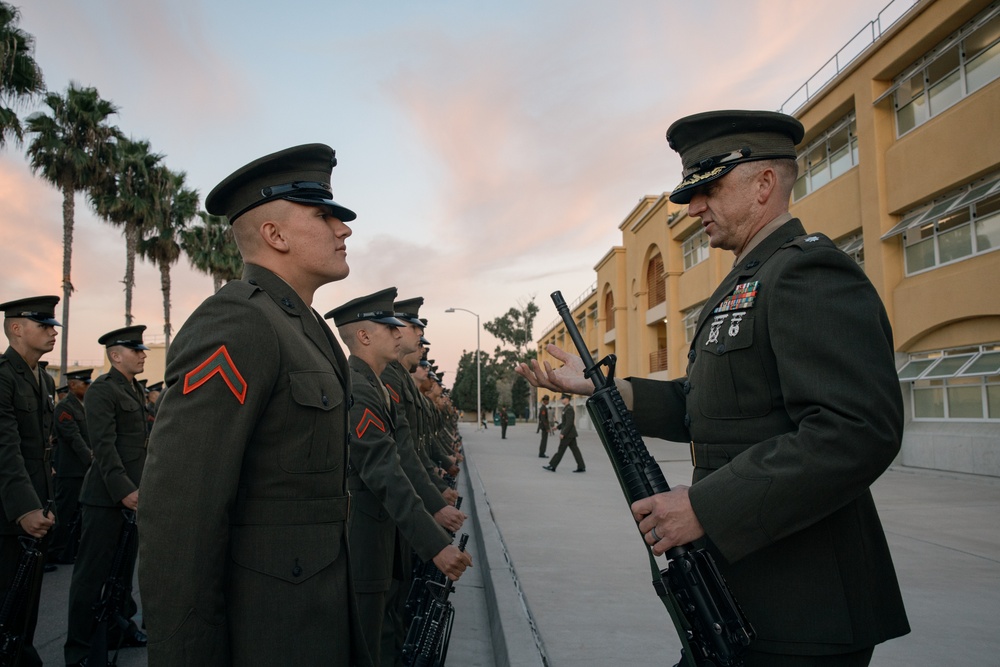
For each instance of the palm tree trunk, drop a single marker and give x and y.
(165, 288)
(131, 243)
(69, 209)
(216, 282)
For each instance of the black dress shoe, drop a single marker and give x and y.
(580, 470)
(549, 468)
(543, 456)
(135, 639)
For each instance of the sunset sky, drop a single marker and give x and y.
(490, 149)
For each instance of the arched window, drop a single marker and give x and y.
(609, 311)
(656, 287)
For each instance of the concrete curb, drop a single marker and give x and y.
(513, 632)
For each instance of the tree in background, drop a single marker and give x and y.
(20, 76)
(514, 330)
(211, 249)
(174, 207)
(71, 148)
(127, 200)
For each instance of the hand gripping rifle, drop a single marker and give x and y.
(713, 629)
(109, 609)
(427, 639)
(15, 602)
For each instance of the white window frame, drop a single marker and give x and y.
(816, 171)
(966, 368)
(695, 249)
(924, 98)
(690, 319)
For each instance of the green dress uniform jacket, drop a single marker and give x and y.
(26, 411)
(116, 422)
(793, 408)
(73, 454)
(384, 497)
(567, 427)
(395, 379)
(243, 513)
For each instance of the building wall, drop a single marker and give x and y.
(939, 310)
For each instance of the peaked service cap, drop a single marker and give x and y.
(375, 307)
(41, 309)
(130, 337)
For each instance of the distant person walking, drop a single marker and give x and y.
(567, 438)
(503, 423)
(543, 426)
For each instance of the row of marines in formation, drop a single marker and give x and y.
(86, 454)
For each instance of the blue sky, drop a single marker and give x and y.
(490, 149)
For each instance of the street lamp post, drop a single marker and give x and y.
(479, 388)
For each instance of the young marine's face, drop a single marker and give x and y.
(320, 242)
(39, 337)
(386, 339)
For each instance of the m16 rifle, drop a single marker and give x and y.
(429, 634)
(15, 602)
(713, 630)
(110, 608)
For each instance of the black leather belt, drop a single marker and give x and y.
(713, 457)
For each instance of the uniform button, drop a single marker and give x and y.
(721, 348)
(691, 355)
(252, 281)
(297, 570)
(687, 421)
(687, 387)
(326, 401)
(752, 263)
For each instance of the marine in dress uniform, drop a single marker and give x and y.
(567, 438)
(543, 427)
(26, 410)
(116, 425)
(386, 506)
(243, 523)
(72, 458)
(791, 404)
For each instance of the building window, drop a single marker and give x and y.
(656, 285)
(609, 312)
(855, 247)
(827, 157)
(695, 249)
(961, 384)
(959, 66)
(959, 225)
(691, 322)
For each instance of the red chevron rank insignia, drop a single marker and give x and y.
(368, 418)
(222, 364)
(392, 392)
(65, 417)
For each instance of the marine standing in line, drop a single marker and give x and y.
(791, 404)
(384, 499)
(243, 524)
(116, 423)
(26, 410)
(73, 457)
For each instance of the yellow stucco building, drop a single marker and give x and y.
(900, 165)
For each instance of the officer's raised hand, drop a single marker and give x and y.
(568, 378)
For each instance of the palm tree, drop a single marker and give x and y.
(128, 201)
(210, 247)
(71, 148)
(20, 76)
(175, 206)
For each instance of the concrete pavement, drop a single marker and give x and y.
(568, 579)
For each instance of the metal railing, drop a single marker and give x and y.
(576, 302)
(847, 54)
(657, 361)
